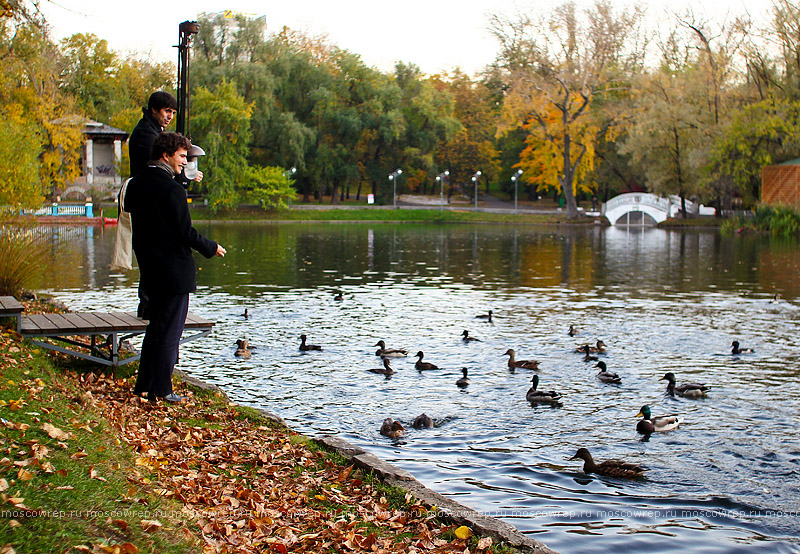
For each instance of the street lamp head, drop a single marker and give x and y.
(399, 171)
(293, 170)
(446, 172)
(513, 177)
(478, 172)
(519, 172)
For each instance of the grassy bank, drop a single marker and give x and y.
(87, 467)
(372, 214)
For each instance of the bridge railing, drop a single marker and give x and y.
(56, 208)
(640, 198)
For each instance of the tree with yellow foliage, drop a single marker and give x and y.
(564, 73)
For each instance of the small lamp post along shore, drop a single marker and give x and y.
(441, 177)
(393, 178)
(475, 180)
(515, 179)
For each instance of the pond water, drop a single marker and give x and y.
(725, 481)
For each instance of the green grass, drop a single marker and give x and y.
(371, 214)
(67, 506)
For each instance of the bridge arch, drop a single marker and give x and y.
(618, 209)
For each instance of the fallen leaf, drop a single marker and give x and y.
(463, 532)
(121, 523)
(150, 525)
(3, 485)
(55, 433)
(24, 475)
(94, 475)
(484, 543)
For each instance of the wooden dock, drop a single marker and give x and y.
(106, 331)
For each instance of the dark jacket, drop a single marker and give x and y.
(163, 235)
(141, 141)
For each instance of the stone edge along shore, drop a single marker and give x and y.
(448, 510)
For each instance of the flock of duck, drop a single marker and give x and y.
(615, 468)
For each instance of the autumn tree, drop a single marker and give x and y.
(559, 70)
(35, 108)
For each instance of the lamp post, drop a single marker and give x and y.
(441, 177)
(475, 180)
(288, 173)
(515, 179)
(393, 178)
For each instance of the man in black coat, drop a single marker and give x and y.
(163, 239)
(161, 108)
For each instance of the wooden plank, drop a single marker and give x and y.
(81, 325)
(91, 321)
(44, 324)
(10, 306)
(114, 323)
(194, 321)
(133, 322)
(60, 321)
(28, 326)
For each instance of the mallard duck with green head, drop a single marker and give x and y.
(612, 468)
(513, 363)
(656, 424)
(607, 376)
(541, 396)
(687, 390)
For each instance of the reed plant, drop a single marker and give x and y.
(22, 253)
(781, 221)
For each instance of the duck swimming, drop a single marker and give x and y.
(612, 468)
(659, 424)
(487, 317)
(524, 364)
(423, 366)
(598, 348)
(572, 331)
(607, 376)
(422, 421)
(338, 297)
(305, 347)
(534, 395)
(245, 314)
(463, 381)
(392, 429)
(587, 357)
(390, 352)
(243, 350)
(687, 390)
(736, 350)
(467, 338)
(385, 370)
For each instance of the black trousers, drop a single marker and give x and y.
(161, 342)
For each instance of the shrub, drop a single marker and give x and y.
(22, 252)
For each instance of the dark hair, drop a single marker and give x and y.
(160, 100)
(168, 143)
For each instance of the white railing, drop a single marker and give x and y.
(639, 198)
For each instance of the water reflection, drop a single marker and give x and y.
(662, 301)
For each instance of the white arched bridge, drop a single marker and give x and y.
(640, 208)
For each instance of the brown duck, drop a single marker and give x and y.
(612, 468)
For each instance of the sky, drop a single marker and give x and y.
(436, 35)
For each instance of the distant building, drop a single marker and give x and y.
(780, 183)
(100, 160)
